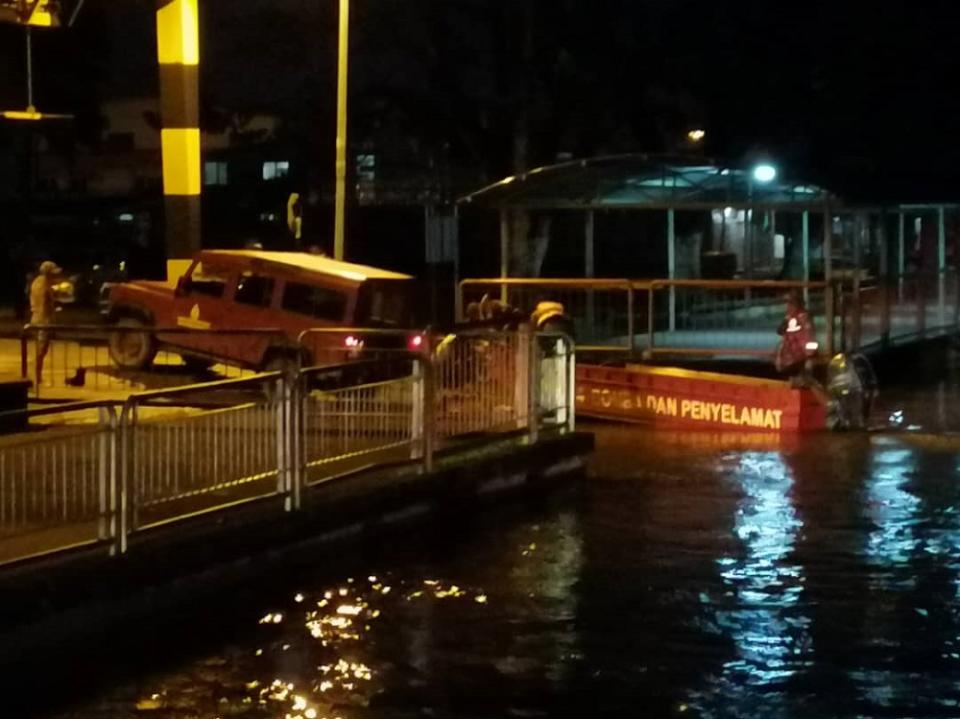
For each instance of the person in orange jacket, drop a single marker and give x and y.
(798, 337)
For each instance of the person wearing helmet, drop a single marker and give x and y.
(550, 316)
(42, 309)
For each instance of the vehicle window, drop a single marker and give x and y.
(320, 302)
(384, 304)
(206, 281)
(255, 290)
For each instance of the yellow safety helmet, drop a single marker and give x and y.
(545, 312)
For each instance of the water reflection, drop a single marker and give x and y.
(761, 610)
(388, 641)
(913, 552)
(312, 659)
(702, 575)
(549, 569)
(892, 509)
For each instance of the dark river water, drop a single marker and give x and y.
(697, 575)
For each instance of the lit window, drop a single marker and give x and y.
(275, 170)
(215, 173)
(366, 168)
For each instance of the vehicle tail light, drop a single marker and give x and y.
(415, 342)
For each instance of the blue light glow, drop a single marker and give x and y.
(764, 173)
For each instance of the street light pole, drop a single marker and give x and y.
(341, 169)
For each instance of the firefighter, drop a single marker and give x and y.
(42, 308)
(798, 339)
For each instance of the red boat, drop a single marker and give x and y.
(688, 399)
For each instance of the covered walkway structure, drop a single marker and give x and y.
(711, 250)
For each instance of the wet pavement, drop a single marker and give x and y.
(691, 575)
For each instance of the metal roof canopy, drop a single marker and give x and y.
(644, 182)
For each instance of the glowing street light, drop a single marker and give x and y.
(696, 136)
(764, 173)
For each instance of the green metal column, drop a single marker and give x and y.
(901, 256)
(942, 265)
(830, 300)
(920, 279)
(672, 265)
(589, 269)
(805, 241)
(860, 222)
(885, 284)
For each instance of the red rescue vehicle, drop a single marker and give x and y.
(233, 289)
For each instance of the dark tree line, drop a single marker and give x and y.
(860, 98)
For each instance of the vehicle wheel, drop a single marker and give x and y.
(197, 364)
(133, 349)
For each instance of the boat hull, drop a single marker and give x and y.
(687, 399)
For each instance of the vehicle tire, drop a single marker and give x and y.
(133, 349)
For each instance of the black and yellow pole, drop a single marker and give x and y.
(178, 53)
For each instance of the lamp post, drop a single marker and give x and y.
(341, 167)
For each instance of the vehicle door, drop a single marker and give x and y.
(201, 304)
(255, 302)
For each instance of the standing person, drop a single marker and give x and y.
(42, 309)
(797, 333)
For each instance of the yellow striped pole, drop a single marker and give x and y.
(178, 54)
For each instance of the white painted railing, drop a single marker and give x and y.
(99, 472)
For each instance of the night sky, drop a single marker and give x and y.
(862, 98)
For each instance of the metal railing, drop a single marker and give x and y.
(606, 313)
(58, 481)
(343, 430)
(481, 383)
(882, 312)
(728, 317)
(101, 472)
(663, 317)
(717, 318)
(187, 449)
(78, 357)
